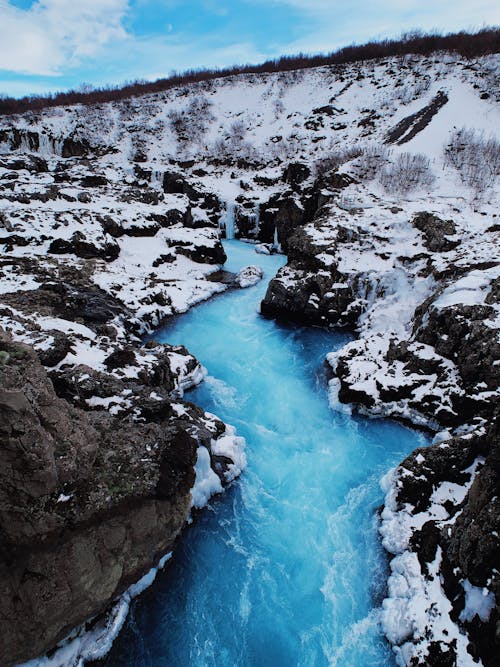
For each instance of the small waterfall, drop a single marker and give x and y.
(49, 145)
(257, 219)
(226, 222)
(157, 178)
(276, 243)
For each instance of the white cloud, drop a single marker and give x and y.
(334, 23)
(54, 33)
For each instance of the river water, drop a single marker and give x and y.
(285, 568)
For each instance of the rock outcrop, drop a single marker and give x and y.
(91, 498)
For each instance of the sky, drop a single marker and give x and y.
(50, 45)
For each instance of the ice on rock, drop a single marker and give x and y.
(478, 601)
(207, 483)
(249, 276)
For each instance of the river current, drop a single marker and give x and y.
(285, 568)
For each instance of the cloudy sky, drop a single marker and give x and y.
(48, 45)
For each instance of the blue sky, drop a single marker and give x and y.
(49, 45)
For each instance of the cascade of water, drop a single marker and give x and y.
(276, 243)
(48, 145)
(257, 219)
(157, 178)
(226, 222)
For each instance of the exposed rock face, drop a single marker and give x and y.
(436, 232)
(79, 246)
(89, 501)
(410, 126)
(306, 290)
(455, 483)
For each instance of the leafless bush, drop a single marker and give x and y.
(232, 145)
(372, 161)
(408, 172)
(468, 45)
(412, 91)
(279, 108)
(476, 157)
(336, 159)
(190, 124)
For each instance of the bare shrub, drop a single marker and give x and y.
(190, 124)
(476, 157)
(373, 158)
(468, 45)
(336, 159)
(409, 171)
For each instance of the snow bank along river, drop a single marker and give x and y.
(285, 568)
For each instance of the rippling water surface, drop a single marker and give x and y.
(285, 568)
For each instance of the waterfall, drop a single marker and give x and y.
(48, 145)
(157, 178)
(226, 222)
(276, 243)
(257, 219)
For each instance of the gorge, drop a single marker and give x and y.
(347, 540)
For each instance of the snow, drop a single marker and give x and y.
(233, 447)
(207, 482)
(249, 276)
(478, 601)
(416, 610)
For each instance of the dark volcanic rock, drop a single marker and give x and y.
(78, 301)
(88, 503)
(75, 147)
(296, 173)
(78, 245)
(174, 183)
(410, 126)
(459, 333)
(204, 254)
(58, 349)
(470, 541)
(435, 232)
(304, 292)
(93, 181)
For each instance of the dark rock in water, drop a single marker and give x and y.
(436, 231)
(78, 245)
(313, 296)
